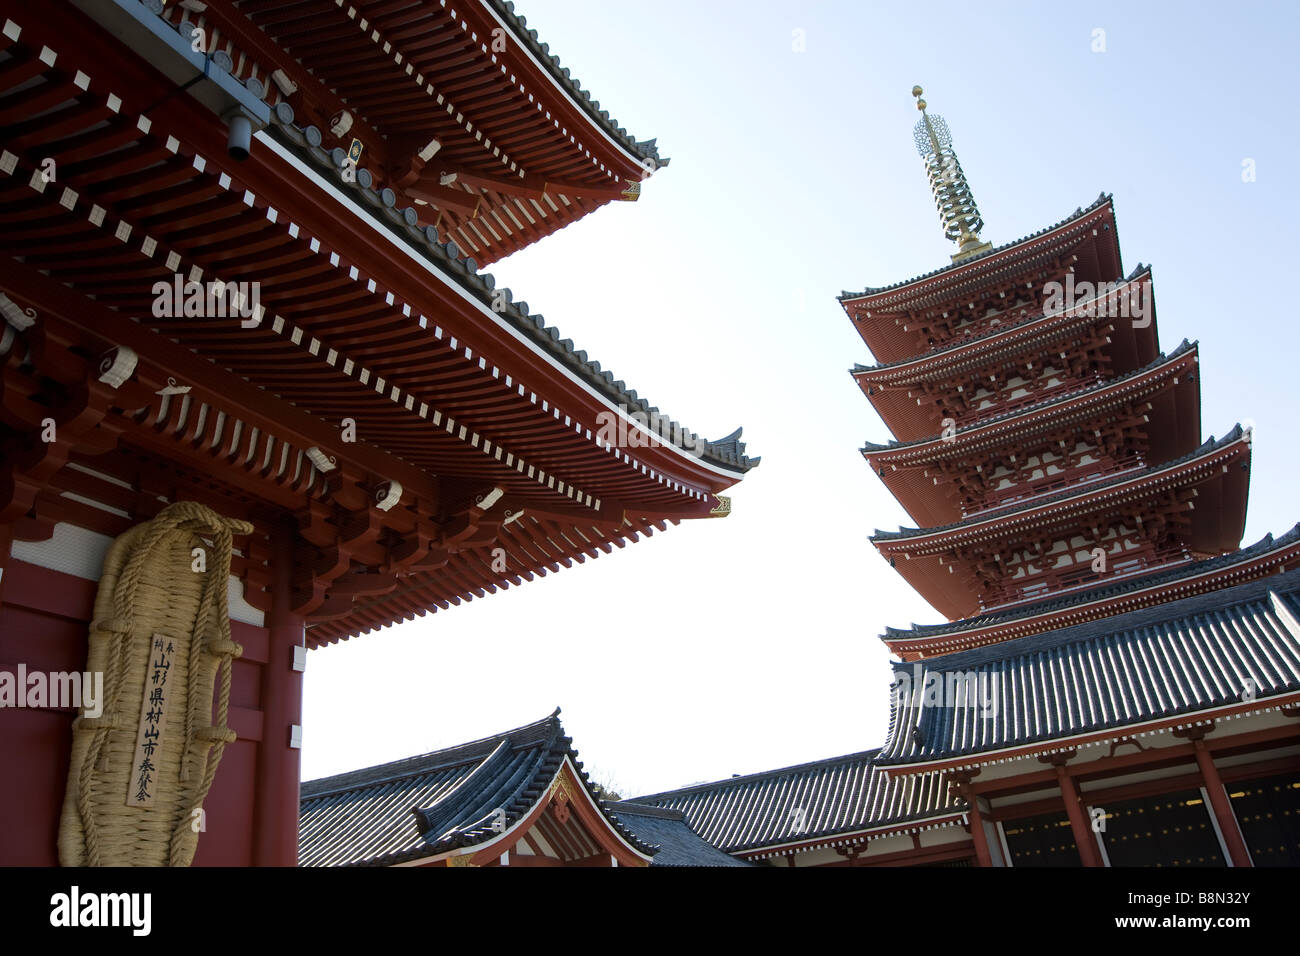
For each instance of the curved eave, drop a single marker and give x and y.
(977, 267)
(1174, 430)
(1266, 557)
(501, 106)
(483, 845)
(349, 289)
(838, 801)
(1124, 346)
(540, 57)
(925, 557)
(671, 448)
(886, 320)
(1004, 341)
(391, 275)
(1026, 513)
(438, 806)
(975, 758)
(1219, 655)
(993, 432)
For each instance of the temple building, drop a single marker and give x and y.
(520, 798)
(260, 397)
(1118, 682)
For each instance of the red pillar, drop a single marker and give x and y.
(982, 857)
(1084, 838)
(1222, 807)
(275, 836)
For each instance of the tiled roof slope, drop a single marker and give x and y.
(426, 805)
(678, 844)
(1187, 656)
(805, 802)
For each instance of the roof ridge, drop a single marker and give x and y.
(1078, 213)
(738, 779)
(422, 763)
(434, 818)
(647, 810)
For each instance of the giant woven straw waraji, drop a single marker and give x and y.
(150, 587)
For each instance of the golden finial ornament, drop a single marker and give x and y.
(952, 193)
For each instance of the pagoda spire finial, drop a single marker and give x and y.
(952, 193)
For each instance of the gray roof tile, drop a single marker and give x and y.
(806, 802)
(426, 805)
(678, 844)
(1182, 657)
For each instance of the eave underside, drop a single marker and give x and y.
(135, 202)
(500, 110)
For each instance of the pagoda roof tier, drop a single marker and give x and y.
(1265, 557)
(1124, 345)
(522, 149)
(1087, 241)
(473, 800)
(1218, 655)
(1171, 427)
(928, 557)
(840, 801)
(457, 393)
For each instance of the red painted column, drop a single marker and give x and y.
(275, 836)
(982, 857)
(1222, 806)
(1084, 838)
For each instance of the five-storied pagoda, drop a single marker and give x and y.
(1115, 669)
(1118, 683)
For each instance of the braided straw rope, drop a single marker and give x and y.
(148, 587)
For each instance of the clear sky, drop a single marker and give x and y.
(750, 643)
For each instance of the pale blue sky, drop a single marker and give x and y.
(749, 643)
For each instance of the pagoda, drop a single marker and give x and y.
(1043, 443)
(1118, 684)
(1083, 542)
